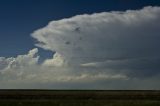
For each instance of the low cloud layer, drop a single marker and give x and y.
(109, 50)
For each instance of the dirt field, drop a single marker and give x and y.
(78, 98)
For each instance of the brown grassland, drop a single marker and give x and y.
(79, 98)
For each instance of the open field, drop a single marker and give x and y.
(79, 98)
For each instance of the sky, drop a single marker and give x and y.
(60, 44)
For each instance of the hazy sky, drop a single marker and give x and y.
(75, 44)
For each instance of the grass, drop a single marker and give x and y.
(78, 98)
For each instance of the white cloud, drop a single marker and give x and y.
(13, 68)
(108, 50)
(20, 60)
(56, 61)
(25, 69)
(115, 40)
(103, 36)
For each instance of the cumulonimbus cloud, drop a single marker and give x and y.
(118, 40)
(106, 49)
(103, 36)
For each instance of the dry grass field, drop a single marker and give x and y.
(79, 98)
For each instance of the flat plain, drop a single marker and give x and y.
(79, 98)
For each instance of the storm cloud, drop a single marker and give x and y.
(108, 50)
(117, 40)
